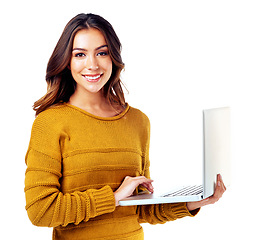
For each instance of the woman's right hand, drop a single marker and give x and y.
(128, 186)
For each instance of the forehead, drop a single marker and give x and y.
(89, 39)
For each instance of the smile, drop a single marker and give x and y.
(93, 78)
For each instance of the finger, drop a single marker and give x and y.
(218, 192)
(148, 186)
(221, 183)
(217, 195)
(218, 179)
(144, 182)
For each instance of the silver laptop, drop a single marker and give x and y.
(216, 159)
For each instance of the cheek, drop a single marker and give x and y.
(108, 66)
(76, 66)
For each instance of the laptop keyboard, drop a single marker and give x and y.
(189, 190)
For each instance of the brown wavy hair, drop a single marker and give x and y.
(60, 83)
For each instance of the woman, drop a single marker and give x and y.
(88, 148)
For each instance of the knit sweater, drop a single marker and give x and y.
(75, 161)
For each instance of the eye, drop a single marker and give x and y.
(103, 53)
(79, 55)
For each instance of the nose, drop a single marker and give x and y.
(92, 63)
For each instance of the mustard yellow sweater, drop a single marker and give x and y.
(75, 161)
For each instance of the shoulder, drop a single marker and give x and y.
(139, 119)
(52, 112)
(138, 114)
(50, 119)
(47, 130)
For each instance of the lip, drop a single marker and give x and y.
(92, 77)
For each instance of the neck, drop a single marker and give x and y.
(94, 103)
(89, 100)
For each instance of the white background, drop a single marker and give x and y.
(181, 57)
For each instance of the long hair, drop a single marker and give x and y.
(60, 83)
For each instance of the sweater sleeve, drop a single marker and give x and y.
(46, 205)
(160, 213)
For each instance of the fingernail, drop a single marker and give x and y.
(218, 183)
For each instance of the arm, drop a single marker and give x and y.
(46, 205)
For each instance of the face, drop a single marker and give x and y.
(90, 65)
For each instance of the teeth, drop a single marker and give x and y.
(92, 78)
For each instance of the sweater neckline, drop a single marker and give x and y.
(120, 115)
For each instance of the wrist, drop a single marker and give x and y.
(191, 206)
(116, 199)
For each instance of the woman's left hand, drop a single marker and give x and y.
(219, 190)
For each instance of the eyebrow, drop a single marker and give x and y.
(85, 50)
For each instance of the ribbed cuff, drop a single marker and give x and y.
(104, 200)
(180, 210)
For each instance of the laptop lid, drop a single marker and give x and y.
(216, 149)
